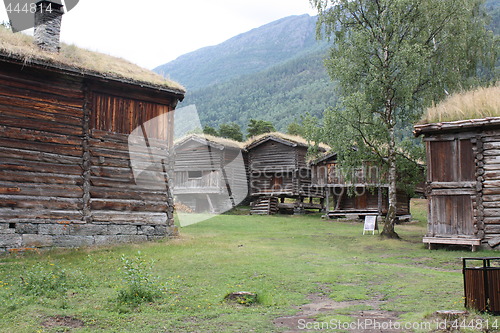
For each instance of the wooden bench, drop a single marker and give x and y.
(473, 242)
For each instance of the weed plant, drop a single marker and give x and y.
(140, 285)
(44, 280)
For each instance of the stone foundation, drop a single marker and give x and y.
(18, 236)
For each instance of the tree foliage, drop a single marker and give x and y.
(392, 58)
(294, 128)
(231, 131)
(210, 130)
(257, 127)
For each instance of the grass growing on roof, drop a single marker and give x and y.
(296, 139)
(475, 104)
(22, 46)
(281, 258)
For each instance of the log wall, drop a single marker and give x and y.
(64, 181)
(276, 167)
(272, 155)
(223, 183)
(488, 186)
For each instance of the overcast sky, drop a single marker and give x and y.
(151, 33)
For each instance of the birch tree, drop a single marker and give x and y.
(391, 58)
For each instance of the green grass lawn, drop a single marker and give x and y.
(281, 258)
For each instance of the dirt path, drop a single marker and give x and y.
(374, 320)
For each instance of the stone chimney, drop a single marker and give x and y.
(48, 17)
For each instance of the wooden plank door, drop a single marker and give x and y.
(451, 215)
(361, 200)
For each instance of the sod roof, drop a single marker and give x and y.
(475, 104)
(21, 47)
(292, 140)
(211, 140)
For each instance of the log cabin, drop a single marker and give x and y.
(209, 174)
(463, 170)
(279, 170)
(67, 115)
(363, 192)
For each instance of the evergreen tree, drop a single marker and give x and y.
(257, 127)
(231, 131)
(294, 128)
(209, 130)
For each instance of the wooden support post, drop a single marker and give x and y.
(327, 190)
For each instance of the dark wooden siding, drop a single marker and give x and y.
(272, 155)
(301, 157)
(123, 115)
(277, 167)
(451, 161)
(40, 146)
(441, 151)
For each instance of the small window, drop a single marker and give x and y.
(194, 174)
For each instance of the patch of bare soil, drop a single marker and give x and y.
(63, 321)
(370, 321)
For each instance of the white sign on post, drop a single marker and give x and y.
(370, 224)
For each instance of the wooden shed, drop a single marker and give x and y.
(462, 138)
(363, 193)
(210, 173)
(66, 174)
(279, 170)
(463, 182)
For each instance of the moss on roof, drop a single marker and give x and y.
(22, 47)
(475, 104)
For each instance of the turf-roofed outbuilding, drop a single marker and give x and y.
(66, 174)
(280, 175)
(462, 137)
(364, 193)
(210, 173)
